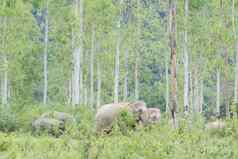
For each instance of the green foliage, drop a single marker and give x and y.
(125, 122)
(160, 141)
(157, 141)
(8, 120)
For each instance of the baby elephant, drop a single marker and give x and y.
(61, 116)
(48, 125)
(215, 125)
(151, 116)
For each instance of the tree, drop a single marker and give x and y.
(173, 62)
(126, 76)
(77, 54)
(117, 58)
(4, 80)
(46, 30)
(218, 94)
(186, 70)
(99, 81)
(92, 67)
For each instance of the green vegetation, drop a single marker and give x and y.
(155, 142)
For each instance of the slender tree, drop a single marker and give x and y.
(99, 83)
(4, 81)
(218, 94)
(46, 30)
(191, 92)
(167, 84)
(225, 91)
(81, 16)
(196, 90)
(137, 58)
(77, 53)
(186, 70)
(201, 100)
(92, 67)
(236, 54)
(137, 77)
(173, 49)
(126, 76)
(117, 59)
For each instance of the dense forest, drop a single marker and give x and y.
(75, 56)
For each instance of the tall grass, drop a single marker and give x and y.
(154, 142)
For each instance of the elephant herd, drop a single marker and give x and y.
(55, 122)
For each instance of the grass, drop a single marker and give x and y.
(154, 142)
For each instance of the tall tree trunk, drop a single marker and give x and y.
(69, 91)
(81, 83)
(236, 55)
(126, 76)
(186, 70)
(92, 68)
(218, 94)
(225, 91)
(117, 60)
(46, 30)
(4, 80)
(236, 76)
(81, 16)
(77, 53)
(196, 90)
(191, 91)
(236, 82)
(99, 81)
(117, 71)
(201, 97)
(167, 84)
(137, 58)
(85, 100)
(137, 77)
(173, 48)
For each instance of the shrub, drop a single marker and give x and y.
(8, 121)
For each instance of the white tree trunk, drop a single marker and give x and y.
(236, 47)
(191, 91)
(81, 83)
(218, 94)
(117, 71)
(76, 77)
(236, 76)
(201, 98)
(99, 81)
(69, 90)
(5, 82)
(126, 76)
(4, 79)
(137, 77)
(196, 91)
(186, 70)
(46, 30)
(117, 61)
(77, 82)
(85, 94)
(81, 16)
(92, 68)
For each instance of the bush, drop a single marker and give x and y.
(8, 121)
(124, 123)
